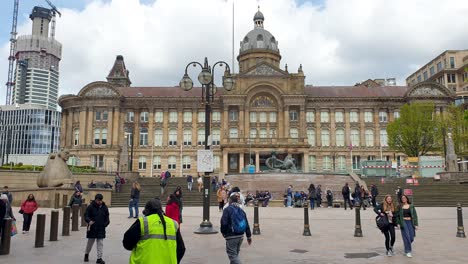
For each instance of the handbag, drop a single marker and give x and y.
(382, 222)
(14, 230)
(21, 211)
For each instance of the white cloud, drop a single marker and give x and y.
(340, 42)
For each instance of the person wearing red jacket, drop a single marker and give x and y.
(28, 208)
(172, 208)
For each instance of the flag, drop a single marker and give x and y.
(350, 146)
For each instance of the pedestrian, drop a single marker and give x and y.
(237, 191)
(163, 182)
(134, 199)
(388, 209)
(234, 224)
(8, 194)
(346, 196)
(319, 195)
(78, 187)
(399, 193)
(374, 193)
(289, 196)
(200, 183)
(172, 208)
(329, 198)
(159, 242)
(312, 196)
(178, 195)
(3, 211)
(408, 221)
(97, 217)
(357, 195)
(28, 207)
(92, 185)
(75, 199)
(221, 196)
(189, 182)
(117, 182)
(8, 210)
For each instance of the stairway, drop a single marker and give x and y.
(150, 188)
(428, 193)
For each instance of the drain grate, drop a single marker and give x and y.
(300, 251)
(361, 255)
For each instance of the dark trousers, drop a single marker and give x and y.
(389, 234)
(374, 204)
(347, 201)
(221, 205)
(319, 200)
(330, 202)
(27, 221)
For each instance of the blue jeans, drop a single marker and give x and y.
(312, 203)
(133, 204)
(408, 234)
(289, 201)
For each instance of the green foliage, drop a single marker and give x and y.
(22, 167)
(456, 122)
(416, 132)
(81, 169)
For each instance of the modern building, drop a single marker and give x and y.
(28, 133)
(113, 126)
(37, 69)
(449, 69)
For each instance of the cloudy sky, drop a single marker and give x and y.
(338, 42)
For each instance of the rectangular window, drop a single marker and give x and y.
(158, 116)
(368, 116)
(173, 116)
(142, 163)
(431, 71)
(340, 138)
(233, 115)
(216, 137)
(201, 137)
(263, 133)
(382, 117)
(130, 116)
(104, 136)
(339, 117)
(187, 137)
(253, 117)
(143, 137)
(325, 138)
(216, 162)
(451, 78)
(425, 75)
(158, 137)
(76, 137)
(293, 115)
(172, 137)
(439, 66)
(293, 133)
(396, 114)
(186, 163)
(312, 163)
(369, 138)
(187, 117)
(263, 117)
(452, 62)
(216, 117)
(310, 116)
(341, 163)
(253, 133)
(98, 115)
(355, 137)
(233, 133)
(356, 162)
(97, 161)
(272, 117)
(144, 117)
(272, 133)
(353, 117)
(156, 162)
(311, 137)
(326, 164)
(419, 78)
(171, 163)
(383, 138)
(201, 117)
(324, 117)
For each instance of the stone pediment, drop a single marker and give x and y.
(99, 90)
(265, 70)
(429, 89)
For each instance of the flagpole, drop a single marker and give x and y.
(181, 160)
(152, 159)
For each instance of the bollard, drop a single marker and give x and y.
(57, 201)
(64, 200)
(6, 237)
(460, 229)
(75, 212)
(66, 221)
(40, 230)
(54, 219)
(306, 220)
(256, 229)
(358, 230)
(83, 211)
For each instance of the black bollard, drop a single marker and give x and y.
(83, 211)
(40, 230)
(54, 219)
(66, 221)
(358, 230)
(75, 212)
(64, 200)
(460, 229)
(6, 237)
(306, 220)
(256, 229)
(57, 201)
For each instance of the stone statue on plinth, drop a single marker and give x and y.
(451, 158)
(56, 172)
(276, 164)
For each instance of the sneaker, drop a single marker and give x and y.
(409, 255)
(24, 232)
(388, 253)
(130, 217)
(391, 251)
(86, 259)
(100, 261)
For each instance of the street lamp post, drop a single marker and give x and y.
(206, 78)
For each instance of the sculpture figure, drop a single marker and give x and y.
(56, 172)
(276, 164)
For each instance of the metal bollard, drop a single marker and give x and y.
(57, 201)
(6, 237)
(54, 219)
(256, 229)
(40, 230)
(460, 229)
(358, 230)
(306, 220)
(64, 200)
(75, 212)
(83, 211)
(66, 221)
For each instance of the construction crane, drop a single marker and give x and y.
(54, 12)
(10, 83)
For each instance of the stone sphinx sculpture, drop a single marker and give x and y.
(56, 172)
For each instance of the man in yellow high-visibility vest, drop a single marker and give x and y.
(154, 238)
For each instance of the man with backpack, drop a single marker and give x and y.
(234, 224)
(346, 199)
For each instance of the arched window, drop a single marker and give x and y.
(369, 138)
(340, 138)
(355, 137)
(260, 43)
(325, 138)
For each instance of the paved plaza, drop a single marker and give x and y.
(332, 239)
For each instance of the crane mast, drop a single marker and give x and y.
(11, 59)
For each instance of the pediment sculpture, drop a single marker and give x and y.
(426, 91)
(264, 70)
(101, 92)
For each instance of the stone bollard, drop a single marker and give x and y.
(40, 230)
(83, 211)
(54, 219)
(358, 230)
(64, 200)
(57, 201)
(66, 221)
(75, 212)
(6, 237)
(256, 229)
(306, 220)
(460, 229)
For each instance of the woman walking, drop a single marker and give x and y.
(178, 195)
(387, 209)
(28, 207)
(408, 221)
(222, 196)
(312, 196)
(134, 199)
(172, 208)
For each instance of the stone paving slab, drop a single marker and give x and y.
(281, 239)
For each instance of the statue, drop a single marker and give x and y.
(451, 158)
(56, 172)
(276, 164)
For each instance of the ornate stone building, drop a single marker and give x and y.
(113, 126)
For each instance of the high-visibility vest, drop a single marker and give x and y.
(152, 247)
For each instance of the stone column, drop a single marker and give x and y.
(194, 127)
(257, 161)
(180, 128)
(305, 164)
(332, 128)
(151, 129)
(165, 128)
(302, 124)
(347, 128)
(286, 122)
(241, 161)
(377, 127)
(247, 122)
(136, 134)
(225, 162)
(318, 128)
(362, 128)
(110, 125)
(225, 127)
(116, 131)
(89, 127)
(82, 126)
(280, 122)
(242, 132)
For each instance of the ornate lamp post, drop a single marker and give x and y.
(206, 78)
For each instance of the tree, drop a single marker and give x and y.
(456, 122)
(416, 132)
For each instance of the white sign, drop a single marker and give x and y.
(204, 160)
